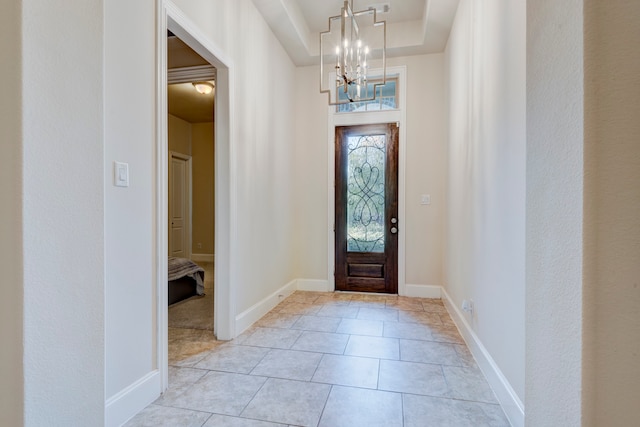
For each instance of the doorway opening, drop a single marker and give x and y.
(171, 21)
(191, 207)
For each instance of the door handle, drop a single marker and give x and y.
(394, 229)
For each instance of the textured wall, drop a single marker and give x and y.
(486, 177)
(554, 262)
(63, 212)
(612, 213)
(129, 212)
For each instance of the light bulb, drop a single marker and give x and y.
(204, 88)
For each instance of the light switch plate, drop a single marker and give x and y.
(120, 174)
(425, 199)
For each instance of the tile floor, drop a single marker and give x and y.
(329, 360)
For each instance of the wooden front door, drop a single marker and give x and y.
(366, 222)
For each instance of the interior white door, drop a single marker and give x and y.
(180, 206)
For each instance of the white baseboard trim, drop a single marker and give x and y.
(422, 291)
(133, 399)
(254, 313)
(313, 285)
(509, 400)
(202, 257)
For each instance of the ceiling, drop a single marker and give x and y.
(183, 99)
(413, 26)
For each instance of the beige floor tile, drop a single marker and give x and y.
(338, 311)
(304, 297)
(446, 334)
(188, 346)
(348, 371)
(361, 327)
(426, 318)
(466, 356)
(370, 298)
(368, 304)
(434, 306)
(298, 308)
(410, 377)
(180, 380)
(228, 421)
(160, 416)
(328, 300)
(315, 323)
(377, 347)
(233, 358)
(354, 407)
(383, 314)
(288, 402)
(321, 342)
(402, 303)
(411, 331)
(278, 320)
(468, 384)
(343, 296)
(430, 352)
(354, 353)
(420, 411)
(272, 338)
(219, 392)
(288, 364)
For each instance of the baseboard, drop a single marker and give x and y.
(248, 317)
(509, 400)
(422, 291)
(133, 399)
(202, 257)
(313, 285)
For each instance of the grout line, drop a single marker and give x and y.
(325, 405)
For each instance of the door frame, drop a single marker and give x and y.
(389, 256)
(366, 118)
(170, 17)
(188, 199)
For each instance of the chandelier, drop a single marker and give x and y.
(353, 40)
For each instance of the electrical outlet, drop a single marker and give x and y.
(467, 305)
(199, 245)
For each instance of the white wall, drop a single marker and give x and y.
(611, 382)
(263, 111)
(554, 212)
(63, 212)
(11, 261)
(130, 92)
(486, 178)
(425, 170)
(263, 105)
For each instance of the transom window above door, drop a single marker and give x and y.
(386, 97)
